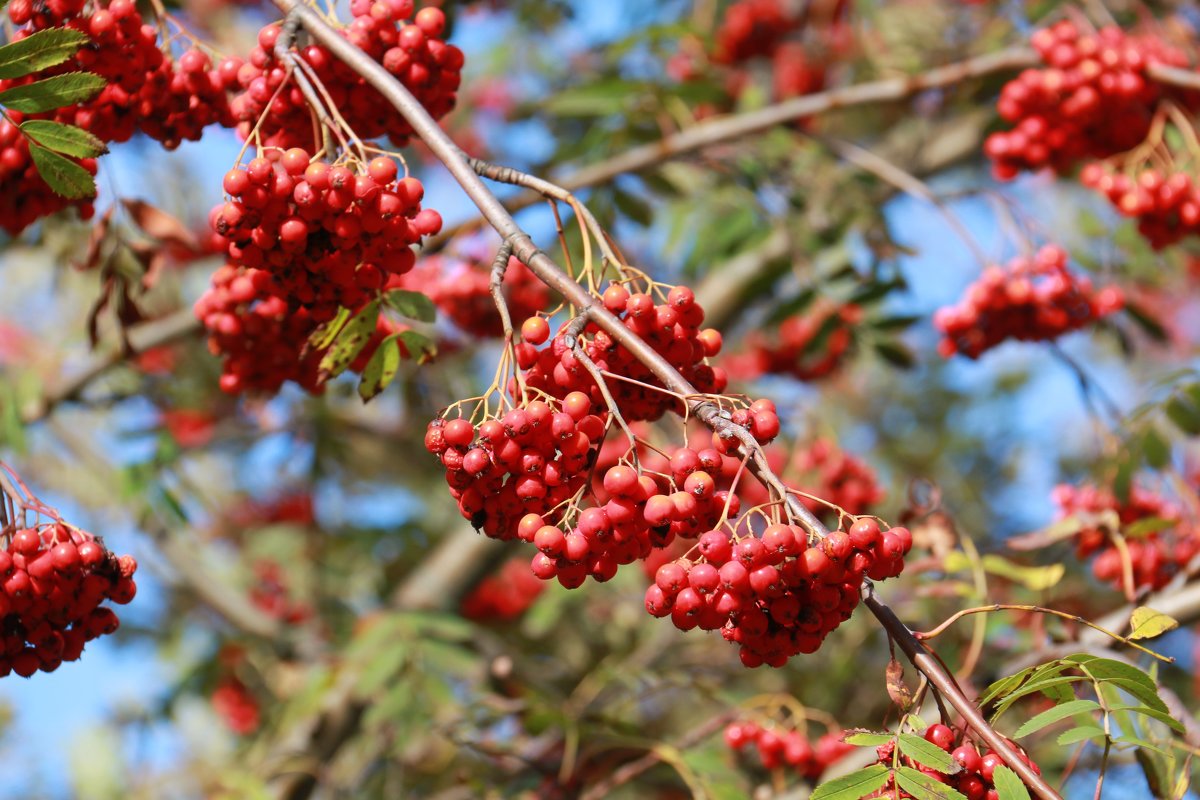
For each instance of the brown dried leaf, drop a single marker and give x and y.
(159, 224)
(91, 257)
(935, 534)
(897, 689)
(93, 317)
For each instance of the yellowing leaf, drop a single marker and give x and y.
(1146, 623)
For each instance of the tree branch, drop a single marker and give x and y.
(177, 325)
(720, 130)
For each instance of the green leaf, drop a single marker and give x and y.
(12, 427)
(854, 786)
(927, 754)
(413, 305)
(419, 344)
(38, 51)
(925, 787)
(792, 306)
(1002, 686)
(323, 336)
(868, 738)
(1034, 578)
(1155, 714)
(1008, 785)
(1146, 526)
(1079, 734)
(61, 174)
(1045, 686)
(1146, 623)
(1123, 676)
(66, 139)
(52, 93)
(874, 292)
(1141, 743)
(896, 354)
(1184, 414)
(350, 342)
(1156, 449)
(1147, 323)
(899, 322)
(633, 207)
(1056, 714)
(381, 369)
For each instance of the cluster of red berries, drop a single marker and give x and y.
(752, 29)
(1030, 299)
(822, 469)
(527, 462)
(145, 91)
(1092, 100)
(52, 581)
(777, 746)
(637, 513)
(236, 706)
(270, 594)
(807, 346)
(304, 238)
(975, 779)
(413, 52)
(779, 594)
(1154, 557)
(504, 596)
(1166, 208)
(672, 328)
(461, 291)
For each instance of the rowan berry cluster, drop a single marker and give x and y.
(505, 595)
(461, 291)
(1166, 207)
(1154, 556)
(751, 29)
(779, 594)
(53, 579)
(637, 512)
(778, 746)
(270, 594)
(821, 469)
(975, 779)
(236, 706)
(411, 50)
(1030, 299)
(145, 91)
(807, 346)
(304, 238)
(1092, 100)
(672, 328)
(526, 462)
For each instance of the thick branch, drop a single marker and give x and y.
(720, 130)
(944, 683)
(175, 326)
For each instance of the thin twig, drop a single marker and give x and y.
(930, 634)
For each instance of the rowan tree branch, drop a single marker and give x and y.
(720, 130)
(173, 327)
